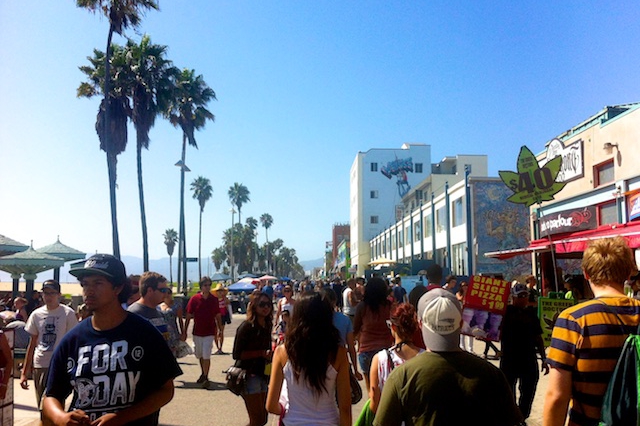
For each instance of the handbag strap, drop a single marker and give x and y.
(390, 364)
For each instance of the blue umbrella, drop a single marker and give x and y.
(247, 276)
(285, 279)
(218, 276)
(240, 287)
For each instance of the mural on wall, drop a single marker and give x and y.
(399, 169)
(499, 225)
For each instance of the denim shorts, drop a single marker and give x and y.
(364, 358)
(255, 384)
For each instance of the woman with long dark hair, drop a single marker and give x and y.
(369, 324)
(252, 351)
(309, 368)
(403, 325)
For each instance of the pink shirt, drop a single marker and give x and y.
(371, 328)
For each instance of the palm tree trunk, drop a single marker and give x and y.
(143, 215)
(239, 258)
(200, 247)
(111, 158)
(170, 270)
(111, 168)
(266, 235)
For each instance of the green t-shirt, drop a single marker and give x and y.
(447, 388)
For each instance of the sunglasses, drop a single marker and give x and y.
(389, 323)
(164, 290)
(264, 304)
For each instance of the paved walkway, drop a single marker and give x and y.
(194, 406)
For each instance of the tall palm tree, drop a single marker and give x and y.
(121, 14)
(113, 138)
(150, 74)
(252, 225)
(218, 256)
(239, 195)
(266, 220)
(170, 240)
(187, 109)
(202, 191)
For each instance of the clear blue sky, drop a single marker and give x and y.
(302, 86)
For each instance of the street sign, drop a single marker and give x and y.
(192, 259)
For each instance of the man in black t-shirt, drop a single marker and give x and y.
(434, 276)
(399, 293)
(115, 363)
(521, 341)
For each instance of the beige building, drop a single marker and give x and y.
(601, 196)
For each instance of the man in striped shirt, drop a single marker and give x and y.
(588, 337)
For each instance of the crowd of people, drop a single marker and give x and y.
(304, 344)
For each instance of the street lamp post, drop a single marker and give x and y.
(233, 212)
(182, 244)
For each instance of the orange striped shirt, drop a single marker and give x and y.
(587, 340)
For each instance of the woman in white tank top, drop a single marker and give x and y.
(310, 368)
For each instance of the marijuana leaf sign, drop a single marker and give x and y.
(533, 184)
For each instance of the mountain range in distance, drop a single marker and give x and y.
(134, 266)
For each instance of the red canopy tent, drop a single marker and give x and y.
(576, 242)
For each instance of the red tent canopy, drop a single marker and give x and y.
(576, 242)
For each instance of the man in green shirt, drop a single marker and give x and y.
(445, 385)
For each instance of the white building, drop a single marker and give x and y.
(379, 179)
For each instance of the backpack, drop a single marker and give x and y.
(621, 405)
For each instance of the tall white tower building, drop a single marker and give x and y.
(379, 179)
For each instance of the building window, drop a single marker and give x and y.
(417, 235)
(607, 213)
(417, 168)
(374, 194)
(374, 167)
(458, 213)
(400, 238)
(374, 219)
(441, 219)
(459, 259)
(603, 173)
(427, 226)
(419, 195)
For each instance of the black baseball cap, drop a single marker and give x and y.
(52, 285)
(105, 265)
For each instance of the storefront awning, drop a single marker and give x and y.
(576, 242)
(536, 246)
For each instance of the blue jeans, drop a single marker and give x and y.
(255, 384)
(364, 359)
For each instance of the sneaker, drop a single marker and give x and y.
(201, 379)
(205, 383)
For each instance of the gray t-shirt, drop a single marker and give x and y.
(50, 326)
(154, 316)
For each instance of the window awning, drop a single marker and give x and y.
(575, 242)
(536, 246)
